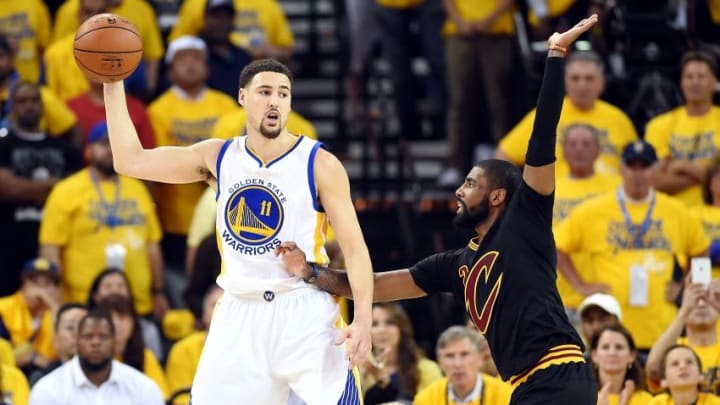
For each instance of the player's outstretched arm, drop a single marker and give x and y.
(167, 164)
(539, 171)
(388, 286)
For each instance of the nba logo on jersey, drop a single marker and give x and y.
(253, 217)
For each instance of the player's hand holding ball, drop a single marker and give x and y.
(107, 48)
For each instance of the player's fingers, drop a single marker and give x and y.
(342, 337)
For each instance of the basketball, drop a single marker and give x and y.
(107, 48)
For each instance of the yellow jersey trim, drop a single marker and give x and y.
(557, 355)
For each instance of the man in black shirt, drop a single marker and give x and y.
(31, 162)
(507, 273)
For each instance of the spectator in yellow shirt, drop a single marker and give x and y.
(682, 378)
(458, 352)
(709, 213)
(14, 389)
(184, 115)
(26, 317)
(688, 137)
(27, 24)
(596, 312)
(184, 355)
(584, 83)
(261, 26)
(695, 326)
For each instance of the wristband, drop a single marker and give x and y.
(313, 275)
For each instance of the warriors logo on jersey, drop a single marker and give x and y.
(253, 216)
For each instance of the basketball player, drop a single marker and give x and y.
(507, 273)
(270, 333)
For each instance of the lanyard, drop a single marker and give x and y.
(637, 236)
(112, 220)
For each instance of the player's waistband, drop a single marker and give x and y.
(556, 355)
(274, 295)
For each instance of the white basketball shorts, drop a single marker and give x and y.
(261, 349)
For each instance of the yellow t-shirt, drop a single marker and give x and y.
(473, 10)
(233, 124)
(569, 193)
(253, 18)
(555, 9)
(703, 399)
(598, 227)
(14, 385)
(7, 356)
(75, 219)
(637, 398)
(709, 216)
(62, 74)
(16, 319)
(714, 6)
(181, 122)
(29, 21)
(615, 128)
(138, 12)
(182, 362)
(494, 391)
(709, 357)
(676, 135)
(154, 371)
(400, 4)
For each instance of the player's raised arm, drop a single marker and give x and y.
(166, 164)
(539, 171)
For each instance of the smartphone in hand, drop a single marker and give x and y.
(701, 271)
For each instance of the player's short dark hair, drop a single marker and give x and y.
(501, 174)
(263, 65)
(699, 56)
(98, 313)
(64, 308)
(586, 56)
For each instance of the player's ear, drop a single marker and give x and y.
(241, 97)
(498, 196)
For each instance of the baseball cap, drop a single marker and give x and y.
(40, 266)
(183, 43)
(220, 4)
(639, 150)
(606, 302)
(98, 132)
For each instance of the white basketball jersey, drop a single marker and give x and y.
(262, 204)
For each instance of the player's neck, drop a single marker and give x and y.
(269, 148)
(482, 228)
(698, 108)
(702, 335)
(684, 396)
(616, 381)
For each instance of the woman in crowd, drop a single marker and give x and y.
(129, 345)
(113, 281)
(398, 369)
(682, 378)
(620, 377)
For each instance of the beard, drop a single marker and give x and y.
(105, 168)
(270, 133)
(470, 217)
(95, 367)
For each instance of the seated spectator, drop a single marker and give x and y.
(709, 213)
(185, 354)
(57, 119)
(487, 362)
(695, 325)
(225, 59)
(596, 312)
(26, 317)
(263, 29)
(92, 376)
(27, 24)
(31, 162)
(619, 374)
(398, 369)
(114, 281)
(129, 345)
(458, 352)
(687, 138)
(90, 110)
(682, 378)
(64, 337)
(97, 218)
(14, 388)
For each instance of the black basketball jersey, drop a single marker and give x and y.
(508, 282)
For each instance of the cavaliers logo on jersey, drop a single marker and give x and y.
(253, 215)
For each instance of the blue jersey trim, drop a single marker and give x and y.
(272, 162)
(223, 149)
(311, 177)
